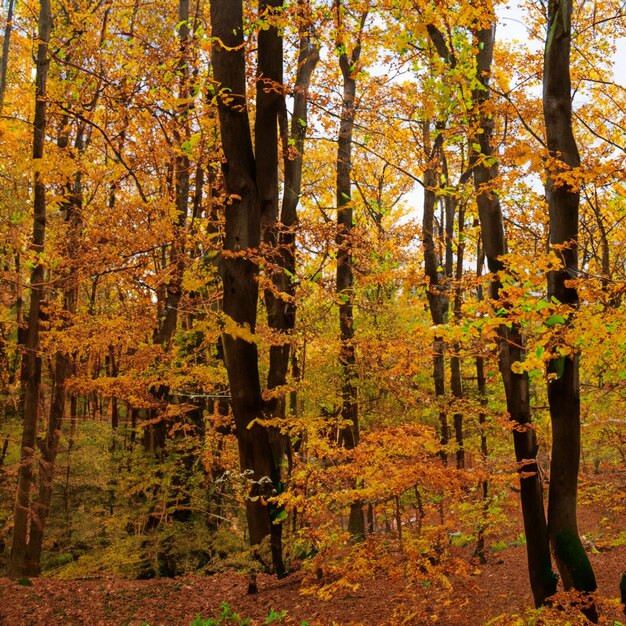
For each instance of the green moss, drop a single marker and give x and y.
(570, 551)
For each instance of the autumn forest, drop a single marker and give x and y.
(328, 292)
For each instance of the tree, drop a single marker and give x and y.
(563, 196)
(349, 65)
(239, 269)
(6, 46)
(24, 559)
(485, 170)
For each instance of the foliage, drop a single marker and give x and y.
(227, 616)
(148, 480)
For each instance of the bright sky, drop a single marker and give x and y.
(512, 26)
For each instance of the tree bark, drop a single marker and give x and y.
(21, 562)
(456, 380)
(438, 301)
(6, 46)
(269, 105)
(485, 171)
(72, 206)
(279, 235)
(155, 434)
(238, 269)
(563, 381)
(349, 433)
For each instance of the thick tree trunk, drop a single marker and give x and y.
(269, 105)
(485, 170)
(279, 235)
(21, 562)
(563, 384)
(348, 434)
(239, 271)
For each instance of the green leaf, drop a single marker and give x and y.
(554, 320)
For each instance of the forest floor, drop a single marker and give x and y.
(496, 592)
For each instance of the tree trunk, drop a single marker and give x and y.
(155, 434)
(456, 381)
(21, 562)
(238, 270)
(279, 236)
(485, 171)
(72, 206)
(6, 46)
(349, 433)
(438, 301)
(481, 385)
(269, 105)
(563, 382)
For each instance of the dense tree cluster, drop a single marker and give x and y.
(269, 264)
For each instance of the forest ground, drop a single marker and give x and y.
(496, 592)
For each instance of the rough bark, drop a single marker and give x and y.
(563, 384)
(485, 171)
(21, 562)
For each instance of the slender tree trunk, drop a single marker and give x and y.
(348, 435)
(62, 360)
(308, 57)
(456, 381)
(155, 434)
(6, 46)
(21, 562)
(269, 105)
(113, 372)
(438, 301)
(481, 384)
(485, 170)
(563, 382)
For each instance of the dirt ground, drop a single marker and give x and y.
(495, 593)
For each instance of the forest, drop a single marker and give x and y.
(312, 312)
